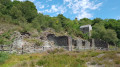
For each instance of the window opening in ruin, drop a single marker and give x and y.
(83, 43)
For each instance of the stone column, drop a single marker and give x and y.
(70, 43)
(93, 44)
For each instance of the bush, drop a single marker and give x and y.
(93, 54)
(80, 61)
(93, 63)
(39, 43)
(41, 62)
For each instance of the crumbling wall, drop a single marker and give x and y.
(82, 44)
(100, 43)
(60, 40)
(87, 45)
(78, 43)
(92, 43)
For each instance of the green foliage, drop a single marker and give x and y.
(61, 60)
(5, 38)
(15, 12)
(85, 36)
(96, 20)
(85, 21)
(41, 62)
(3, 57)
(118, 43)
(109, 35)
(24, 14)
(38, 43)
(29, 11)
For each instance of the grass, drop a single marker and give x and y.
(66, 59)
(14, 59)
(108, 59)
(3, 57)
(62, 58)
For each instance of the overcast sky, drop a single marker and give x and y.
(91, 9)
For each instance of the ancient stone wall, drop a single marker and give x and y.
(100, 43)
(78, 43)
(60, 40)
(82, 44)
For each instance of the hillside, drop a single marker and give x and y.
(32, 39)
(23, 17)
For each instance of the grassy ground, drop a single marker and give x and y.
(15, 59)
(61, 58)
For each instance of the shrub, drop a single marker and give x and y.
(80, 61)
(39, 43)
(117, 61)
(41, 62)
(93, 54)
(93, 63)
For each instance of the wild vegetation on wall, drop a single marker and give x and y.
(25, 15)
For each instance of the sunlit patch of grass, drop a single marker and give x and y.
(61, 58)
(109, 58)
(69, 59)
(14, 59)
(3, 57)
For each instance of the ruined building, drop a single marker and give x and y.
(80, 44)
(86, 29)
(61, 40)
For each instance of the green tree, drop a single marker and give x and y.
(85, 21)
(109, 35)
(62, 19)
(29, 10)
(96, 20)
(15, 12)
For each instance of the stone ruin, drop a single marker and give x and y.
(18, 42)
(60, 40)
(21, 46)
(100, 44)
(79, 43)
(86, 29)
(51, 40)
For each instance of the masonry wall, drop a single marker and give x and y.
(100, 43)
(60, 40)
(85, 30)
(83, 44)
(78, 43)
